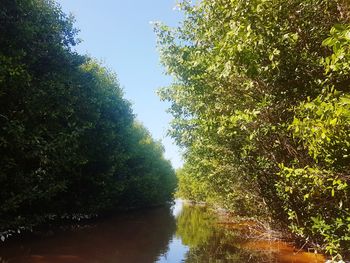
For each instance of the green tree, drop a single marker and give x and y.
(68, 138)
(259, 101)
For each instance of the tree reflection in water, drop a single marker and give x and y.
(133, 237)
(208, 241)
(189, 234)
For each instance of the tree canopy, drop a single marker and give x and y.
(69, 141)
(261, 106)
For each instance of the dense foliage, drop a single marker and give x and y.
(261, 105)
(69, 142)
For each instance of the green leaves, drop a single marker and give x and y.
(339, 41)
(250, 94)
(69, 142)
(323, 125)
(311, 217)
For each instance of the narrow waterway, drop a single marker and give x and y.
(180, 233)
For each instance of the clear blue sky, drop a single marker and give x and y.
(119, 33)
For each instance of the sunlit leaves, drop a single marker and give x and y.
(323, 124)
(250, 94)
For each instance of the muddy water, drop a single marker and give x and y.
(170, 234)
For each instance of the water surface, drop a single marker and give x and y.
(181, 233)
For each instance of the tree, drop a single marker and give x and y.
(248, 84)
(68, 138)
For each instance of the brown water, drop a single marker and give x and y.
(170, 234)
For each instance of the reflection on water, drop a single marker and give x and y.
(178, 234)
(211, 241)
(176, 252)
(134, 237)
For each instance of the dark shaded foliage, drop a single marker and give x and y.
(68, 139)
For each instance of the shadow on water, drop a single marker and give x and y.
(134, 237)
(182, 233)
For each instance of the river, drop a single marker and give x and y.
(181, 233)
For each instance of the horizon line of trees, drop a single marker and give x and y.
(69, 141)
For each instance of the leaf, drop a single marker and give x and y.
(328, 42)
(334, 121)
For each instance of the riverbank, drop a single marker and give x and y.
(262, 237)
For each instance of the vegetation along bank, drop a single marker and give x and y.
(69, 142)
(261, 106)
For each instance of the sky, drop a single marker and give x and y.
(119, 33)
